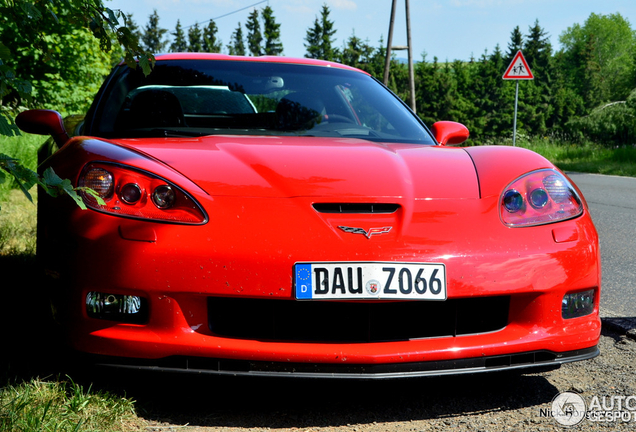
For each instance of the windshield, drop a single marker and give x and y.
(206, 97)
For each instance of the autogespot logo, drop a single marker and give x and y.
(568, 409)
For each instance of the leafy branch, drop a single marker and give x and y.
(108, 26)
(52, 184)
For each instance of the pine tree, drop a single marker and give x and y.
(356, 52)
(179, 43)
(273, 45)
(313, 41)
(153, 35)
(195, 39)
(515, 44)
(537, 94)
(491, 96)
(254, 35)
(132, 26)
(237, 44)
(537, 48)
(210, 42)
(320, 38)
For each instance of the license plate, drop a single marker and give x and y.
(369, 280)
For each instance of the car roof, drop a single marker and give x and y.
(260, 59)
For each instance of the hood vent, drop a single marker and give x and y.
(359, 208)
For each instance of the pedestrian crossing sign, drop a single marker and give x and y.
(518, 69)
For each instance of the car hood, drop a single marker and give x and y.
(315, 166)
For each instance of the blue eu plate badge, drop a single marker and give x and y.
(303, 281)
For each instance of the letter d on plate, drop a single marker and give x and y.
(303, 281)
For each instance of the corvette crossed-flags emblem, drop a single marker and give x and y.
(367, 233)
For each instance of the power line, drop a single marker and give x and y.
(228, 14)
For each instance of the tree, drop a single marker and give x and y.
(237, 45)
(515, 44)
(537, 97)
(320, 38)
(179, 43)
(132, 26)
(599, 58)
(356, 52)
(195, 39)
(273, 45)
(254, 35)
(55, 82)
(153, 36)
(210, 42)
(28, 23)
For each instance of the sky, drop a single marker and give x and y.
(446, 29)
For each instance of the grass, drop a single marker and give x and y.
(17, 224)
(587, 157)
(28, 403)
(63, 405)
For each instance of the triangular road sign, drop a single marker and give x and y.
(518, 69)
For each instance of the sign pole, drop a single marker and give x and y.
(514, 121)
(518, 70)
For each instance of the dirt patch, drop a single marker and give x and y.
(486, 402)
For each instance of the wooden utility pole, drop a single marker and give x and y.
(390, 47)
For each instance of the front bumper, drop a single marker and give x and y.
(179, 269)
(530, 361)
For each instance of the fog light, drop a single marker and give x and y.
(116, 307)
(577, 304)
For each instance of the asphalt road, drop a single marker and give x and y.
(612, 202)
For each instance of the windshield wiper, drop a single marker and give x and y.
(170, 133)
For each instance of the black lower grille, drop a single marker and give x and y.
(286, 320)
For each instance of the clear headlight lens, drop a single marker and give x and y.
(538, 198)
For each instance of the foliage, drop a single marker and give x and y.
(38, 40)
(320, 38)
(611, 124)
(153, 35)
(210, 41)
(584, 156)
(195, 39)
(237, 44)
(271, 32)
(515, 44)
(179, 43)
(599, 58)
(254, 35)
(50, 182)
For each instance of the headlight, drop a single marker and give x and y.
(538, 198)
(138, 194)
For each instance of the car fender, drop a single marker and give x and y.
(497, 166)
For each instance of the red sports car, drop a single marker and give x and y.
(292, 217)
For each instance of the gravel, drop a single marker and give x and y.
(481, 402)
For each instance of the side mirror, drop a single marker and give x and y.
(43, 122)
(449, 133)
